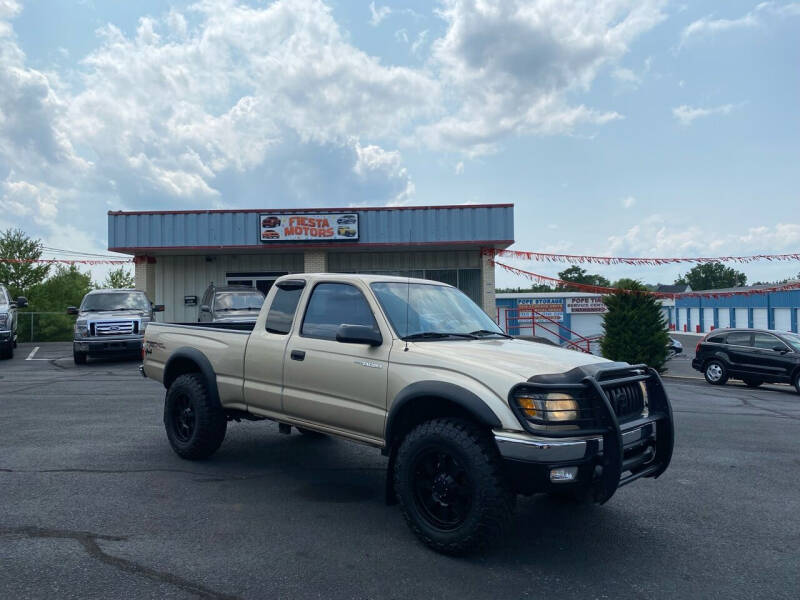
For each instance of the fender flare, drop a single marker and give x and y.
(203, 364)
(451, 392)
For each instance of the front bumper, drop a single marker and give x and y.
(610, 457)
(110, 345)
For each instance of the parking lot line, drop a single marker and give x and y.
(33, 353)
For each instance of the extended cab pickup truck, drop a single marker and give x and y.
(468, 416)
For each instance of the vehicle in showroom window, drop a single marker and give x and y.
(111, 322)
(754, 356)
(468, 416)
(9, 321)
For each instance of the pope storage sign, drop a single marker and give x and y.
(308, 227)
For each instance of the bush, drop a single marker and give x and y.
(635, 330)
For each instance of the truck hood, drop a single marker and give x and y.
(519, 359)
(236, 316)
(113, 315)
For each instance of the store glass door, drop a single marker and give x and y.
(261, 281)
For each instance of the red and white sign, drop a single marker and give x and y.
(586, 305)
(307, 227)
(541, 309)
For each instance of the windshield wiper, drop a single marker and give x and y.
(437, 335)
(480, 332)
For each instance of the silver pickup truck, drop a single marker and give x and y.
(111, 322)
(9, 322)
(467, 416)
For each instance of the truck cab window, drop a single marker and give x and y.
(335, 304)
(282, 309)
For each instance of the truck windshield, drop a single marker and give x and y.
(115, 301)
(429, 311)
(238, 301)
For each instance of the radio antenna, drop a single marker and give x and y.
(408, 294)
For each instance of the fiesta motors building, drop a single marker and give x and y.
(179, 253)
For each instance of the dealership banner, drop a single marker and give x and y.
(590, 305)
(307, 227)
(539, 308)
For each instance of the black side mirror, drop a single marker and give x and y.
(205, 308)
(158, 308)
(72, 310)
(781, 349)
(22, 302)
(358, 334)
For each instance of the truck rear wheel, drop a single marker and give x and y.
(195, 426)
(450, 486)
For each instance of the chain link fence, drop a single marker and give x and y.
(45, 327)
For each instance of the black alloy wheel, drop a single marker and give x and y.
(195, 423)
(442, 488)
(451, 486)
(183, 417)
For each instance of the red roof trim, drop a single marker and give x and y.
(301, 246)
(349, 209)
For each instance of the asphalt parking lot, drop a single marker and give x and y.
(94, 504)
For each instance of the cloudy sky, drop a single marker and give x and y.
(621, 127)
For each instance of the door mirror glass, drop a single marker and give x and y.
(158, 308)
(358, 334)
(72, 310)
(205, 308)
(22, 302)
(780, 349)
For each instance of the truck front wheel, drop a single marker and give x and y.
(449, 482)
(195, 426)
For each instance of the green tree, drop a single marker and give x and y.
(712, 276)
(21, 277)
(119, 278)
(66, 287)
(576, 274)
(635, 330)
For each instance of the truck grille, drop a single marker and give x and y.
(114, 328)
(626, 399)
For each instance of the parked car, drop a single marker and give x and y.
(347, 231)
(270, 222)
(8, 321)
(673, 347)
(111, 322)
(755, 356)
(270, 234)
(230, 303)
(468, 416)
(346, 220)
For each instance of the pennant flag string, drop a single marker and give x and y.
(633, 260)
(50, 261)
(597, 289)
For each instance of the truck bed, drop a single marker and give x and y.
(223, 344)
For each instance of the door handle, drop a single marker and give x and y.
(298, 355)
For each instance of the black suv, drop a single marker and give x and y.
(755, 356)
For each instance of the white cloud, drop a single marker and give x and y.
(686, 114)
(709, 26)
(628, 202)
(401, 35)
(418, 43)
(510, 65)
(378, 14)
(460, 167)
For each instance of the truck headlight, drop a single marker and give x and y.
(143, 324)
(552, 410)
(81, 328)
(3, 321)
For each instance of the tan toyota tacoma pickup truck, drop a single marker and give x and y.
(468, 416)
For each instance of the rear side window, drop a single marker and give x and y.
(281, 311)
(717, 339)
(740, 338)
(335, 304)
